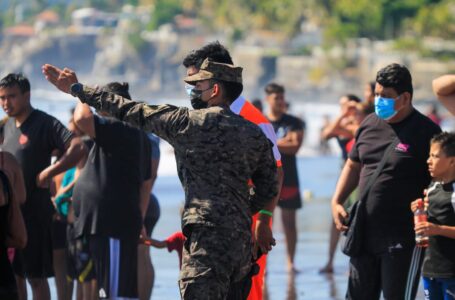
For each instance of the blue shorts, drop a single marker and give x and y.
(439, 288)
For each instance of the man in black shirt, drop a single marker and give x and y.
(111, 197)
(31, 136)
(386, 255)
(289, 131)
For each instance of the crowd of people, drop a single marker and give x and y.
(77, 203)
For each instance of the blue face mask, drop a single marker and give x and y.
(384, 107)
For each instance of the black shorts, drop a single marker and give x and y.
(35, 260)
(59, 233)
(152, 215)
(115, 259)
(80, 265)
(290, 198)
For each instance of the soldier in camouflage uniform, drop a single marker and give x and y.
(217, 152)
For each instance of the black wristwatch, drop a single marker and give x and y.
(76, 88)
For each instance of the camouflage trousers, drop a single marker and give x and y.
(213, 259)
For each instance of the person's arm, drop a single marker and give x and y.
(145, 189)
(157, 244)
(17, 233)
(156, 155)
(263, 232)
(167, 121)
(335, 129)
(62, 190)
(155, 164)
(444, 89)
(270, 206)
(265, 179)
(291, 143)
(84, 119)
(347, 182)
(75, 150)
(431, 229)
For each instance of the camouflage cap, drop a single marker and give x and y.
(213, 70)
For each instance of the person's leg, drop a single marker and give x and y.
(334, 237)
(37, 258)
(59, 259)
(364, 278)
(115, 266)
(83, 268)
(213, 259)
(288, 217)
(88, 290)
(21, 288)
(93, 290)
(145, 272)
(79, 291)
(448, 288)
(395, 267)
(40, 288)
(432, 289)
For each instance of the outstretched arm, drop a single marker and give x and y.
(166, 121)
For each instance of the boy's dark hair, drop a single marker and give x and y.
(230, 90)
(13, 79)
(118, 88)
(395, 76)
(447, 142)
(352, 97)
(214, 51)
(274, 88)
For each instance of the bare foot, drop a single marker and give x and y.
(292, 269)
(326, 269)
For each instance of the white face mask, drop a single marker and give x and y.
(188, 88)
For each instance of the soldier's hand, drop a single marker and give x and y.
(62, 79)
(263, 237)
(339, 215)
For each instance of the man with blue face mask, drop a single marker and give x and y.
(385, 258)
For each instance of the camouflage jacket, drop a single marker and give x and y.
(216, 151)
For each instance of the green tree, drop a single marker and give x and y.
(436, 19)
(164, 12)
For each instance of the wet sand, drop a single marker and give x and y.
(314, 221)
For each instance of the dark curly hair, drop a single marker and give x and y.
(395, 76)
(214, 51)
(447, 142)
(14, 79)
